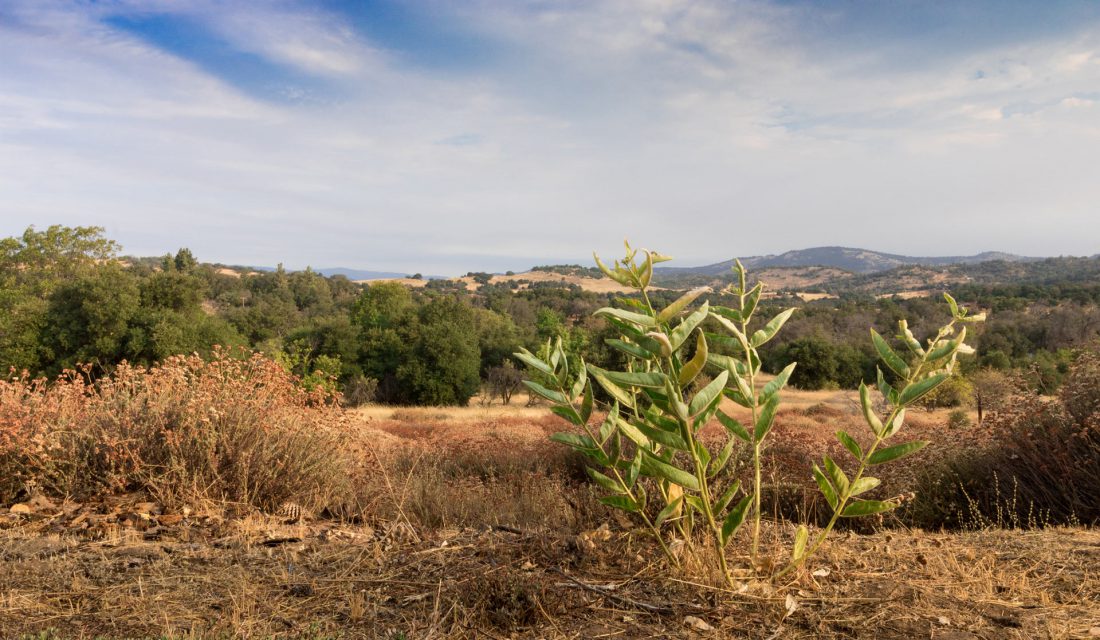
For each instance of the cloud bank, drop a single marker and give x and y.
(446, 137)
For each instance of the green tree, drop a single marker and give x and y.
(87, 320)
(445, 359)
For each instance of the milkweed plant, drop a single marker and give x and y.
(650, 435)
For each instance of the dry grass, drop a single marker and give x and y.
(254, 578)
(470, 525)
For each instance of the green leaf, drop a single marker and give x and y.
(578, 385)
(615, 274)
(951, 303)
(734, 427)
(702, 453)
(719, 463)
(695, 502)
(892, 359)
(549, 394)
(722, 342)
(708, 394)
(624, 503)
(646, 271)
(733, 315)
(604, 481)
(634, 434)
(948, 348)
(639, 319)
(727, 497)
(735, 518)
(693, 367)
(869, 410)
(863, 485)
(739, 269)
(742, 341)
(884, 387)
(574, 440)
(586, 403)
(895, 424)
(650, 379)
(673, 310)
(913, 392)
(629, 348)
(909, 338)
(742, 385)
(826, 488)
(897, 451)
(608, 425)
(738, 397)
(766, 419)
(836, 474)
(801, 537)
(670, 509)
(615, 391)
(569, 413)
(684, 329)
(667, 438)
(634, 470)
(777, 383)
(751, 298)
(858, 508)
(774, 325)
(530, 360)
(672, 474)
(850, 444)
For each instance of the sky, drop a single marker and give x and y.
(444, 137)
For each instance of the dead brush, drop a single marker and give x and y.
(188, 430)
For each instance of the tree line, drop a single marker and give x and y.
(67, 298)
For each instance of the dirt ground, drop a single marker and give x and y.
(525, 559)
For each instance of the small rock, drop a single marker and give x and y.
(21, 508)
(944, 621)
(697, 623)
(821, 573)
(1094, 632)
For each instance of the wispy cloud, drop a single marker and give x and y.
(259, 132)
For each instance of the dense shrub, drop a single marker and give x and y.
(232, 428)
(1042, 465)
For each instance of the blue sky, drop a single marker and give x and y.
(444, 137)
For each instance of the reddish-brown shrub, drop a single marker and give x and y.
(229, 428)
(1042, 465)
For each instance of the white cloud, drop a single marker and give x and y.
(603, 120)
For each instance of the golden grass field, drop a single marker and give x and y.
(477, 527)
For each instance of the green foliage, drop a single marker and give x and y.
(921, 370)
(647, 453)
(89, 317)
(425, 354)
(650, 436)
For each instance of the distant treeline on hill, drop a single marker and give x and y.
(66, 298)
(570, 270)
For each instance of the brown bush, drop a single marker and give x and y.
(1042, 465)
(226, 429)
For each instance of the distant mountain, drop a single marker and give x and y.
(849, 259)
